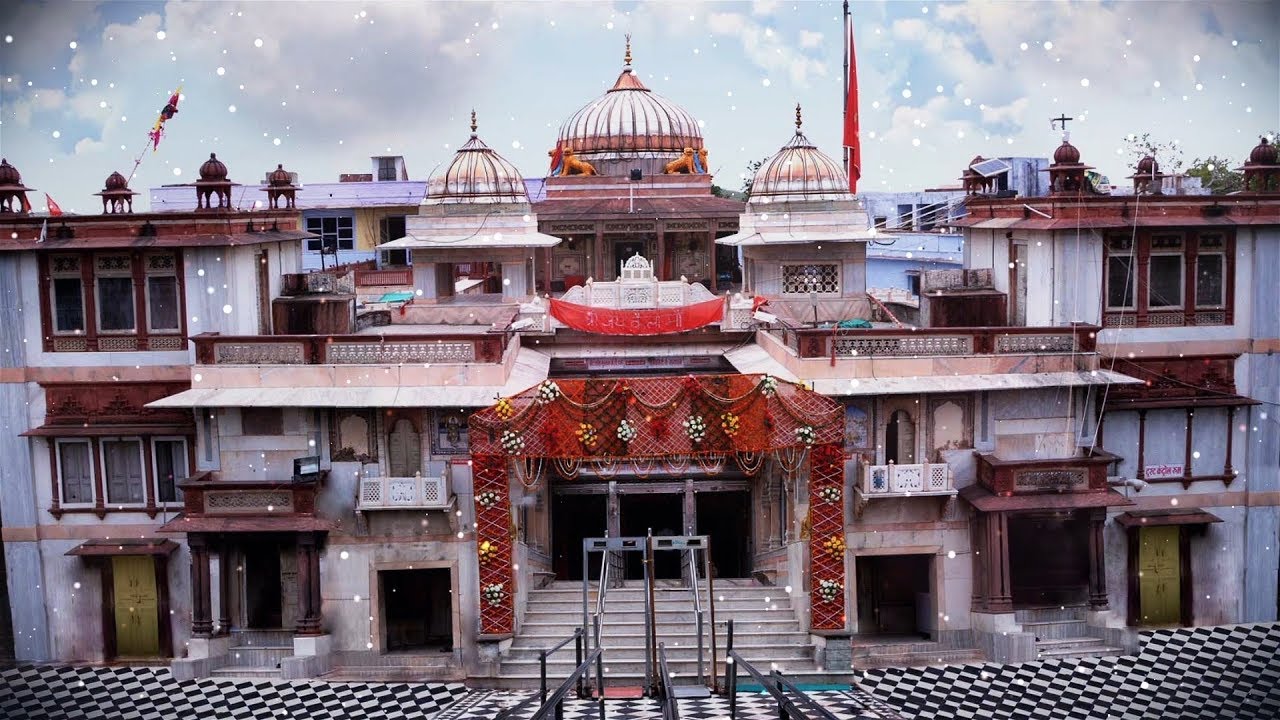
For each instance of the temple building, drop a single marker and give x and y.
(250, 469)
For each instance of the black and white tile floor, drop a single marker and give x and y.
(1217, 673)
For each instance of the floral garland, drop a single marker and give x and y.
(626, 431)
(730, 423)
(487, 551)
(494, 593)
(488, 499)
(548, 391)
(505, 409)
(695, 428)
(512, 442)
(834, 546)
(806, 434)
(830, 590)
(768, 385)
(830, 494)
(587, 435)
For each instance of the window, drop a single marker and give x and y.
(821, 278)
(1211, 272)
(1164, 275)
(336, 233)
(171, 468)
(913, 283)
(386, 169)
(162, 293)
(261, 421)
(75, 471)
(67, 294)
(113, 275)
(122, 471)
(392, 228)
(1121, 284)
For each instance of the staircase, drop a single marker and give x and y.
(1063, 633)
(257, 654)
(767, 632)
(871, 654)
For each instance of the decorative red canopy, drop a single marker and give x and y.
(647, 321)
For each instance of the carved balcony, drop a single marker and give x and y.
(836, 343)
(903, 481)
(362, 349)
(420, 492)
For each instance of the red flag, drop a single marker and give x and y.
(26, 204)
(852, 146)
(54, 210)
(557, 158)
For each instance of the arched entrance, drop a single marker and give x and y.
(596, 427)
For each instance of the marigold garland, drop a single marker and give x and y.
(730, 423)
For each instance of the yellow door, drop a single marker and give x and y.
(137, 606)
(1160, 579)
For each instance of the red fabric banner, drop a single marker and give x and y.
(852, 144)
(649, 321)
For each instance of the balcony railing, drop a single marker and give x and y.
(404, 493)
(216, 349)
(899, 481)
(939, 342)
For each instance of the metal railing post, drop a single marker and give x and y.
(542, 675)
(702, 676)
(600, 677)
(711, 603)
(782, 707)
(578, 656)
(731, 674)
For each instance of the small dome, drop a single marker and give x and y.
(799, 172)
(1148, 166)
(9, 174)
(630, 119)
(1264, 153)
(477, 175)
(116, 181)
(280, 177)
(1066, 154)
(213, 169)
(976, 159)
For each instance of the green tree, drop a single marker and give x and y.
(1167, 154)
(1216, 174)
(752, 168)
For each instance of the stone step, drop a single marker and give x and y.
(562, 630)
(1056, 629)
(740, 616)
(659, 593)
(388, 673)
(1050, 614)
(613, 605)
(262, 637)
(1059, 643)
(353, 659)
(1096, 650)
(248, 673)
(538, 641)
(258, 655)
(617, 668)
(674, 652)
(940, 656)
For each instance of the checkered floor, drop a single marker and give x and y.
(1217, 673)
(107, 693)
(1211, 673)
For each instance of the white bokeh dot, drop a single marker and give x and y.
(257, 42)
(226, 309)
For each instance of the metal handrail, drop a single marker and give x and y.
(555, 702)
(670, 705)
(697, 608)
(575, 638)
(775, 683)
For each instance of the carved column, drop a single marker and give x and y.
(660, 267)
(201, 618)
(1227, 470)
(225, 569)
(711, 259)
(599, 259)
(1186, 448)
(1142, 445)
(1097, 561)
(999, 589)
(308, 585)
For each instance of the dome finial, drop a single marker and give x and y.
(798, 120)
(473, 122)
(626, 59)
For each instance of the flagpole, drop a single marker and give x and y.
(846, 83)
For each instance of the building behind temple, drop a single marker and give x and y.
(224, 460)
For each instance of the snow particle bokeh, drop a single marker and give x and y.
(160, 35)
(1084, 82)
(231, 108)
(906, 92)
(177, 171)
(221, 71)
(72, 44)
(257, 42)
(8, 38)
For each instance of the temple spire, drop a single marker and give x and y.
(473, 122)
(799, 122)
(626, 59)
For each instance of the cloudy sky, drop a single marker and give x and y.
(321, 87)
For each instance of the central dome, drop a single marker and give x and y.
(799, 172)
(630, 120)
(477, 174)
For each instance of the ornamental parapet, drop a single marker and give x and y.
(836, 343)
(360, 349)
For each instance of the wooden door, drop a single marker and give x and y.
(404, 446)
(1160, 578)
(137, 603)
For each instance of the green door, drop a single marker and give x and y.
(1160, 578)
(136, 606)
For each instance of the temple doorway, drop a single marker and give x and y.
(1049, 559)
(417, 609)
(895, 595)
(573, 518)
(663, 514)
(261, 586)
(725, 518)
(623, 250)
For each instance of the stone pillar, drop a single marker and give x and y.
(598, 261)
(225, 569)
(201, 616)
(711, 259)
(999, 589)
(308, 585)
(1097, 561)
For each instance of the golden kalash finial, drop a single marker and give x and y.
(798, 121)
(473, 121)
(626, 59)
